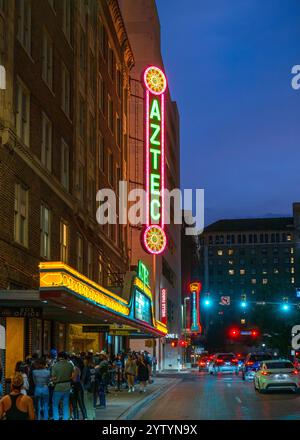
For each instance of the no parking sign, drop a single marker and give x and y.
(225, 300)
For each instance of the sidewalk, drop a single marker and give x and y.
(123, 405)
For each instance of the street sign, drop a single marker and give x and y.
(225, 300)
(95, 328)
(21, 312)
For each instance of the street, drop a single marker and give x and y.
(200, 396)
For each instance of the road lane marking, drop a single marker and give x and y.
(238, 399)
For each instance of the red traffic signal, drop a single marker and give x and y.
(234, 332)
(254, 333)
(183, 343)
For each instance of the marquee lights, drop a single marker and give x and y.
(153, 237)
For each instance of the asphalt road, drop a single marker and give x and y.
(200, 396)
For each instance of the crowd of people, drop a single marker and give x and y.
(65, 387)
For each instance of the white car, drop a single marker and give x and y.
(223, 363)
(276, 375)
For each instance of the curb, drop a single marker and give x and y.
(129, 413)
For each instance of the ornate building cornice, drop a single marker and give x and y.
(121, 32)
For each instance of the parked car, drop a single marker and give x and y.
(223, 363)
(276, 375)
(252, 364)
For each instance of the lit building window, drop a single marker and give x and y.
(292, 250)
(292, 270)
(231, 271)
(220, 252)
(264, 271)
(21, 215)
(45, 232)
(230, 262)
(79, 253)
(64, 241)
(230, 251)
(253, 281)
(265, 281)
(276, 270)
(46, 154)
(289, 237)
(22, 112)
(292, 260)
(242, 271)
(292, 280)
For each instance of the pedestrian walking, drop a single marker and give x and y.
(41, 378)
(142, 373)
(77, 391)
(62, 373)
(16, 406)
(21, 368)
(130, 372)
(89, 385)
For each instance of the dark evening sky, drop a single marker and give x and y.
(229, 65)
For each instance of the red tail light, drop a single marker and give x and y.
(234, 361)
(295, 372)
(265, 373)
(220, 361)
(249, 363)
(201, 364)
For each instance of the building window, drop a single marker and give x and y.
(253, 281)
(265, 280)
(111, 62)
(292, 270)
(21, 215)
(118, 131)
(46, 153)
(79, 262)
(92, 74)
(101, 152)
(111, 169)
(24, 23)
(92, 134)
(45, 232)
(288, 237)
(66, 19)
(65, 164)
(22, 112)
(91, 197)
(220, 252)
(82, 55)
(90, 261)
(242, 271)
(239, 239)
(276, 270)
(64, 241)
(293, 280)
(110, 114)
(292, 260)
(82, 118)
(231, 271)
(232, 239)
(230, 251)
(264, 271)
(80, 181)
(119, 83)
(253, 271)
(47, 67)
(230, 262)
(65, 90)
(52, 4)
(103, 41)
(292, 250)
(101, 94)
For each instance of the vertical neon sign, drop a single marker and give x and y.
(195, 289)
(153, 237)
(163, 306)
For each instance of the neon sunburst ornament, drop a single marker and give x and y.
(155, 239)
(155, 80)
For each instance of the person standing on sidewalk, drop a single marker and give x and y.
(77, 392)
(16, 406)
(89, 384)
(130, 372)
(41, 378)
(142, 373)
(62, 373)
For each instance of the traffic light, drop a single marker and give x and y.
(234, 332)
(254, 333)
(183, 343)
(174, 344)
(285, 306)
(243, 301)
